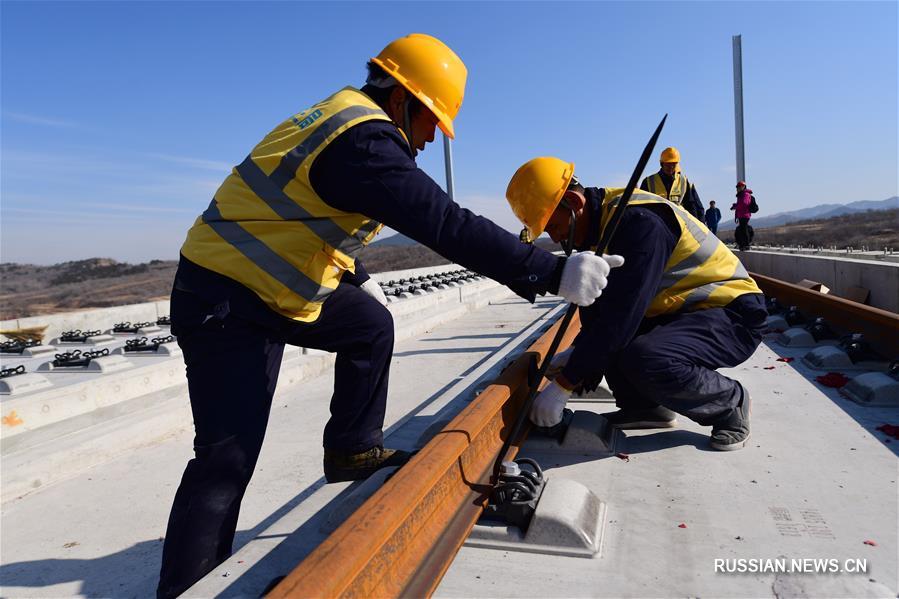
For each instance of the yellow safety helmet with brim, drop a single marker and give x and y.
(536, 189)
(670, 155)
(430, 71)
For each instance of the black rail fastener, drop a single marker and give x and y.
(514, 497)
(794, 317)
(160, 340)
(17, 346)
(164, 320)
(133, 345)
(13, 371)
(858, 349)
(77, 336)
(77, 358)
(820, 330)
(773, 306)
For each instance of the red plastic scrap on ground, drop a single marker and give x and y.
(787, 360)
(871, 543)
(833, 379)
(682, 525)
(889, 429)
(623, 456)
(769, 367)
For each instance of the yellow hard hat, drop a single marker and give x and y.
(430, 71)
(670, 155)
(535, 190)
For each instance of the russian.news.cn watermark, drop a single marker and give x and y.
(794, 565)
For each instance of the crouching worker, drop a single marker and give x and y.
(680, 307)
(272, 261)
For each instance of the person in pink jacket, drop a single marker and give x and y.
(742, 213)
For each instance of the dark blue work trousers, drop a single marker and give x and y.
(672, 362)
(232, 370)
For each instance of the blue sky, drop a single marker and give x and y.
(120, 119)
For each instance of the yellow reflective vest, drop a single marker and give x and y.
(701, 273)
(267, 229)
(679, 187)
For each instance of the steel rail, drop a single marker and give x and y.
(880, 327)
(401, 541)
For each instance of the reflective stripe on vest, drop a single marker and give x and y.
(267, 228)
(678, 190)
(261, 255)
(701, 272)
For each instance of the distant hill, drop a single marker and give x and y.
(874, 230)
(29, 290)
(819, 211)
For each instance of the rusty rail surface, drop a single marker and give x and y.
(402, 540)
(880, 327)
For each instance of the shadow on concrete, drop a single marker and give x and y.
(448, 350)
(120, 574)
(484, 336)
(666, 439)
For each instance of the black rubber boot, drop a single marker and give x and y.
(342, 467)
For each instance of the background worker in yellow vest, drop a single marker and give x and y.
(272, 261)
(673, 185)
(680, 307)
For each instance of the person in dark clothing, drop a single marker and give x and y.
(673, 185)
(712, 217)
(272, 261)
(679, 308)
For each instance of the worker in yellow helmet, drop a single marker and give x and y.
(273, 261)
(673, 185)
(679, 308)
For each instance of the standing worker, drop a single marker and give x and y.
(712, 217)
(673, 185)
(743, 209)
(272, 261)
(679, 308)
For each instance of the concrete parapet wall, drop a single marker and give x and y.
(105, 318)
(839, 274)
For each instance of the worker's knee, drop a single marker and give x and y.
(644, 365)
(229, 463)
(379, 323)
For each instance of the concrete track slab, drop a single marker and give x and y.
(815, 481)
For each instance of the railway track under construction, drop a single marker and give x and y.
(403, 539)
(83, 509)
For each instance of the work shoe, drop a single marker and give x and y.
(732, 431)
(657, 417)
(341, 467)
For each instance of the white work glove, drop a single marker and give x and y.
(372, 288)
(558, 363)
(584, 277)
(549, 404)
